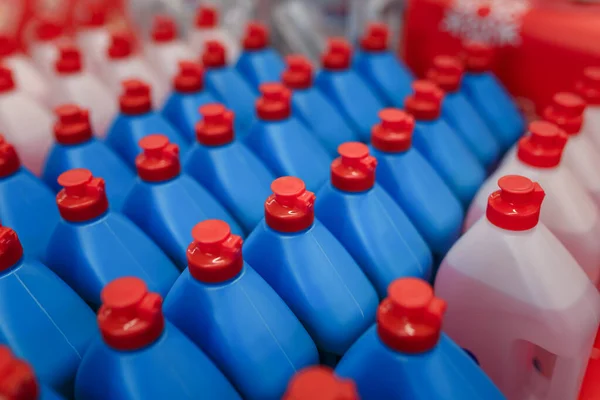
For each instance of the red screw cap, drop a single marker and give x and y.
(130, 317)
(256, 36)
(516, 206)
(354, 170)
(215, 255)
(83, 197)
(190, 78)
(73, 125)
(94, 15)
(338, 55)
(446, 72)
(7, 82)
(17, 379)
(207, 17)
(136, 98)
(320, 383)
(299, 72)
(11, 250)
(425, 103)
(69, 60)
(159, 160)
(589, 86)
(121, 45)
(48, 28)
(291, 207)
(376, 37)
(543, 148)
(478, 56)
(566, 112)
(8, 45)
(274, 104)
(394, 133)
(409, 320)
(163, 29)
(216, 126)
(214, 55)
(9, 159)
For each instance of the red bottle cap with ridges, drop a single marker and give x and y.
(394, 133)
(83, 197)
(320, 383)
(376, 37)
(190, 78)
(136, 98)
(354, 170)
(121, 45)
(589, 86)
(409, 320)
(516, 206)
(337, 55)
(214, 55)
(73, 125)
(446, 72)
(69, 60)
(7, 82)
(543, 147)
(478, 56)
(425, 103)
(207, 17)
(215, 255)
(299, 72)
(9, 159)
(566, 112)
(94, 15)
(11, 250)
(216, 126)
(163, 29)
(48, 28)
(17, 379)
(291, 207)
(274, 104)
(159, 160)
(130, 317)
(8, 45)
(256, 36)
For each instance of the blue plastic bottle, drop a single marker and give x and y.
(93, 245)
(405, 356)
(441, 145)
(457, 110)
(43, 319)
(489, 97)
(230, 312)
(142, 356)
(320, 383)
(75, 147)
(189, 94)
(165, 203)
(136, 120)
(312, 108)
(26, 204)
(381, 68)
(283, 143)
(310, 269)
(350, 94)
(367, 221)
(224, 166)
(413, 183)
(259, 63)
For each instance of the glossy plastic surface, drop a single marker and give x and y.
(582, 157)
(93, 42)
(27, 77)
(197, 39)
(165, 57)
(260, 66)
(591, 121)
(181, 110)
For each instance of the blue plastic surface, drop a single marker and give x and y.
(245, 328)
(181, 110)
(170, 368)
(46, 393)
(260, 66)
(444, 373)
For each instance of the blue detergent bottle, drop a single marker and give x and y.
(189, 94)
(259, 63)
(457, 110)
(413, 183)
(165, 203)
(320, 383)
(75, 147)
(405, 356)
(230, 312)
(136, 120)
(441, 145)
(283, 143)
(312, 108)
(142, 356)
(381, 68)
(310, 269)
(43, 319)
(93, 245)
(490, 98)
(350, 94)
(224, 166)
(367, 221)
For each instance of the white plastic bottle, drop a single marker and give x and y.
(165, 50)
(48, 33)
(569, 211)
(206, 27)
(518, 301)
(93, 37)
(589, 89)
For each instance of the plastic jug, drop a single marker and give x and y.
(320, 383)
(167, 204)
(518, 301)
(224, 166)
(283, 143)
(206, 28)
(413, 183)
(136, 120)
(43, 319)
(569, 212)
(75, 147)
(43, 49)
(312, 108)
(141, 355)
(27, 77)
(588, 87)
(93, 37)
(93, 245)
(310, 269)
(367, 221)
(350, 94)
(406, 356)
(226, 308)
